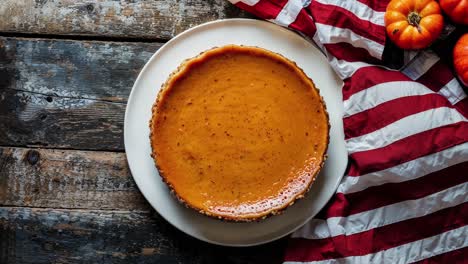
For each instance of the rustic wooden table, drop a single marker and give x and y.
(66, 194)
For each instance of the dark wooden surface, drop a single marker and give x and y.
(49, 87)
(66, 193)
(140, 19)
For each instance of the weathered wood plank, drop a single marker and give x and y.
(62, 76)
(114, 18)
(72, 69)
(67, 179)
(82, 236)
(30, 119)
(67, 94)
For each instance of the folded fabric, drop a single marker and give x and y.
(404, 197)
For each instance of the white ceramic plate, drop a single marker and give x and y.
(138, 113)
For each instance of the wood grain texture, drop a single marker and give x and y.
(83, 236)
(60, 205)
(29, 119)
(67, 94)
(151, 19)
(73, 69)
(67, 179)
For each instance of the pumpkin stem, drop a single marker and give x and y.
(414, 19)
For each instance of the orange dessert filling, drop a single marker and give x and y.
(239, 133)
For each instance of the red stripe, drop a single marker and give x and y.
(347, 52)
(304, 24)
(342, 18)
(408, 148)
(264, 9)
(378, 239)
(457, 256)
(380, 6)
(436, 77)
(369, 76)
(462, 107)
(322, 214)
(389, 112)
(378, 196)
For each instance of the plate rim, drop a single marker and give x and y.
(126, 133)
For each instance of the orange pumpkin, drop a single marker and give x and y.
(457, 10)
(413, 24)
(460, 58)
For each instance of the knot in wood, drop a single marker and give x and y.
(32, 157)
(90, 7)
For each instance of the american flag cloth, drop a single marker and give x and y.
(404, 196)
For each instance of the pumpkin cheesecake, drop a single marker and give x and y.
(239, 133)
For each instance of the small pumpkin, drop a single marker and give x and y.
(413, 24)
(460, 58)
(457, 10)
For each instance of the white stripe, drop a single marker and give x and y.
(316, 40)
(420, 65)
(453, 91)
(381, 93)
(314, 229)
(361, 10)
(408, 56)
(345, 69)
(289, 13)
(330, 34)
(247, 2)
(405, 127)
(406, 171)
(410, 252)
(390, 214)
